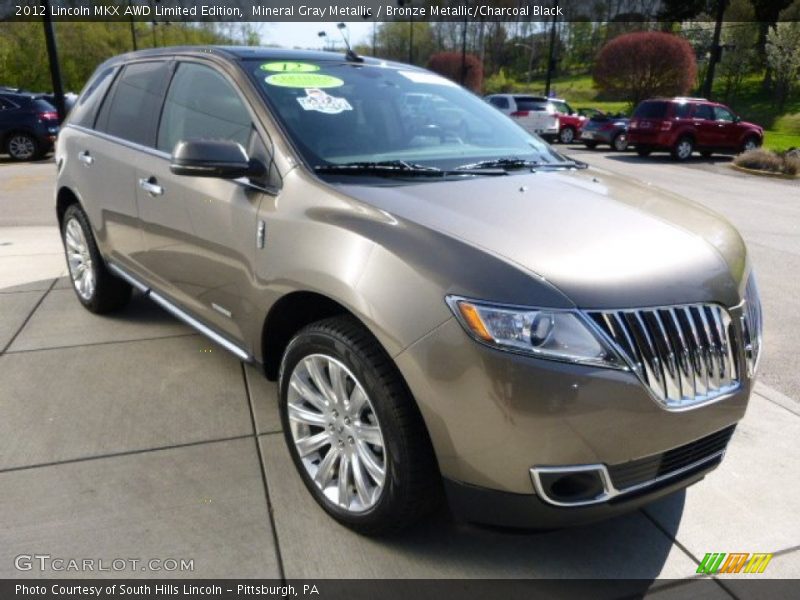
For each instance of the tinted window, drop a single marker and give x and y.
(130, 111)
(563, 108)
(651, 110)
(4, 104)
(704, 111)
(723, 114)
(85, 109)
(681, 111)
(499, 101)
(530, 104)
(201, 104)
(42, 105)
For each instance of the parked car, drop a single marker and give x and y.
(547, 343)
(69, 100)
(534, 113)
(682, 125)
(606, 129)
(570, 121)
(28, 125)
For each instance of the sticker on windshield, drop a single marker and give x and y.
(319, 101)
(423, 77)
(289, 67)
(304, 80)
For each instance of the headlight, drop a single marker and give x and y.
(562, 335)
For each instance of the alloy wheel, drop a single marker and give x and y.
(81, 268)
(567, 135)
(684, 149)
(621, 142)
(750, 144)
(21, 147)
(336, 433)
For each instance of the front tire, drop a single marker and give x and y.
(751, 143)
(620, 142)
(353, 429)
(96, 288)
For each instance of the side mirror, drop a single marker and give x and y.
(736, 118)
(223, 159)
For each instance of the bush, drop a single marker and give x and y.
(637, 66)
(449, 65)
(785, 163)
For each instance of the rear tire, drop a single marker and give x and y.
(21, 146)
(566, 135)
(683, 149)
(338, 383)
(96, 288)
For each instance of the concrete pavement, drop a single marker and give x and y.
(131, 436)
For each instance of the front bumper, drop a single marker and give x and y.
(493, 415)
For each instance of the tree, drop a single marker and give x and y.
(783, 52)
(739, 41)
(636, 66)
(449, 64)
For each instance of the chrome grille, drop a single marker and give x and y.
(752, 325)
(684, 354)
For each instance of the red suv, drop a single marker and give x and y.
(683, 125)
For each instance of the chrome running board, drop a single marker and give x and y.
(181, 314)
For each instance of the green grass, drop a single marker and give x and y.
(778, 140)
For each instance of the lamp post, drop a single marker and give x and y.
(52, 54)
(550, 57)
(133, 29)
(324, 37)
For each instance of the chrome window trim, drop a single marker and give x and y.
(610, 492)
(119, 140)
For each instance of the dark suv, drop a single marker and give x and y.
(683, 125)
(28, 125)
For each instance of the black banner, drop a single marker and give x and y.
(346, 10)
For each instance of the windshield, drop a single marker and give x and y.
(339, 112)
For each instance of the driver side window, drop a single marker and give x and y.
(723, 114)
(201, 104)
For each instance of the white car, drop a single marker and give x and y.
(533, 114)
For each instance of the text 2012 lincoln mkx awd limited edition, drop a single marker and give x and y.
(452, 310)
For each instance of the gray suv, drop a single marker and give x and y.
(450, 308)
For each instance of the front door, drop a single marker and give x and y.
(200, 233)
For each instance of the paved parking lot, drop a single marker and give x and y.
(131, 436)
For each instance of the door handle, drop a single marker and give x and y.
(151, 187)
(86, 158)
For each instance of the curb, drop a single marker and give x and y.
(764, 173)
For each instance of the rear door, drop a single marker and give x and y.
(123, 135)
(201, 232)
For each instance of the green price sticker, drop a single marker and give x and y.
(289, 67)
(304, 80)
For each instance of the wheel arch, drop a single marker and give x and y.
(65, 197)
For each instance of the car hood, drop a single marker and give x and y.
(602, 239)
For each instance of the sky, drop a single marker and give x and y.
(304, 35)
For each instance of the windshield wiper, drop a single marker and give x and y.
(401, 168)
(384, 167)
(512, 162)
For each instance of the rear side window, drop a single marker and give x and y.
(85, 109)
(130, 112)
(499, 101)
(704, 111)
(723, 114)
(4, 104)
(681, 111)
(651, 110)
(42, 105)
(530, 104)
(201, 104)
